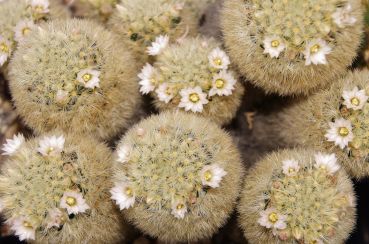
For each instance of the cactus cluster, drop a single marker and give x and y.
(177, 176)
(25, 15)
(55, 189)
(335, 120)
(194, 75)
(66, 74)
(141, 22)
(297, 196)
(292, 47)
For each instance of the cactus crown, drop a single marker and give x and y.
(291, 215)
(298, 27)
(190, 74)
(165, 162)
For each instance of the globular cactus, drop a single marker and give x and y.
(297, 196)
(95, 9)
(55, 189)
(335, 120)
(75, 76)
(25, 15)
(177, 176)
(196, 76)
(292, 47)
(147, 26)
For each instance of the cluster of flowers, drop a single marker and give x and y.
(315, 50)
(192, 96)
(287, 212)
(72, 201)
(342, 130)
(125, 196)
(36, 10)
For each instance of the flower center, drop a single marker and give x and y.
(129, 192)
(275, 43)
(180, 206)
(219, 83)
(315, 48)
(39, 8)
(194, 97)
(50, 150)
(87, 77)
(273, 217)
(355, 101)
(71, 201)
(26, 30)
(4, 48)
(218, 61)
(27, 224)
(208, 175)
(291, 170)
(343, 131)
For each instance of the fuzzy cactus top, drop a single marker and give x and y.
(297, 196)
(292, 47)
(18, 18)
(177, 176)
(335, 120)
(141, 22)
(194, 75)
(54, 189)
(76, 76)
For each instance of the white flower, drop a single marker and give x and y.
(147, 81)
(123, 195)
(193, 99)
(164, 93)
(89, 78)
(12, 145)
(22, 29)
(316, 51)
(273, 45)
(327, 162)
(54, 218)
(355, 99)
(23, 228)
(158, 45)
(179, 209)
(40, 6)
(73, 202)
(222, 84)
(212, 175)
(270, 218)
(51, 146)
(123, 153)
(342, 17)
(5, 50)
(218, 59)
(340, 132)
(290, 167)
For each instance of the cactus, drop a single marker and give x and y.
(177, 176)
(25, 15)
(140, 22)
(66, 73)
(335, 120)
(297, 196)
(194, 75)
(55, 189)
(292, 47)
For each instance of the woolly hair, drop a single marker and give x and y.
(45, 86)
(185, 65)
(31, 185)
(20, 10)
(96, 9)
(317, 206)
(247, 24)
(308, 122)
(167, 153)
(139, 22)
